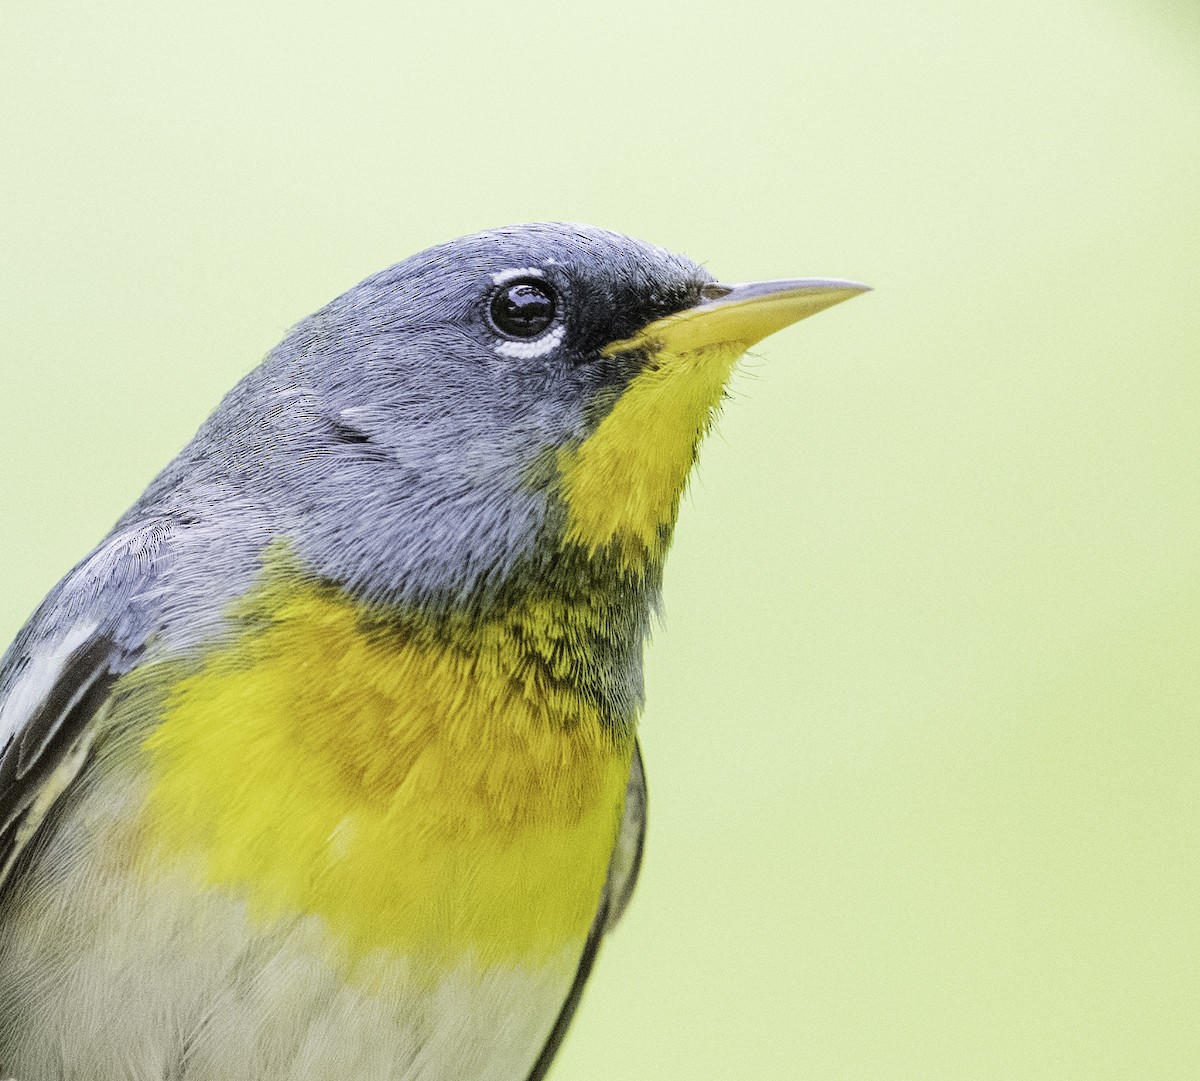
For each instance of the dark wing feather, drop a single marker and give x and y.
(48, 746)
(84, 681)
(631, 841)
(622, 876)
(57, 676)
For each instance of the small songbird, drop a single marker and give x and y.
(323, 765)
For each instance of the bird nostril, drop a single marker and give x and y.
(714, 291)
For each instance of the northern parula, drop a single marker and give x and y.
(323, 765)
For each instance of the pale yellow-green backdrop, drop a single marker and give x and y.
(924, 720)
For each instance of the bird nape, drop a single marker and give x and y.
(323, 764)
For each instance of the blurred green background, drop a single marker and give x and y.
(923, 733)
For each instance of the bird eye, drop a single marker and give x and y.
(523, 309)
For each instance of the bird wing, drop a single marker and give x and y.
(623, 870)
(56, 679)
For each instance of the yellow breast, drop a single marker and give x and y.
(419, 789)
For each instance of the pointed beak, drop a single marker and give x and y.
(740, 314)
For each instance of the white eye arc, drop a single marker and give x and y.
(539, 347)
(504, 276)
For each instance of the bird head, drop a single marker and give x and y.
(527, 396)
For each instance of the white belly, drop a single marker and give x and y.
(107, 978)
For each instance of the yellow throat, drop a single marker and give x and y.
(622, 485)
